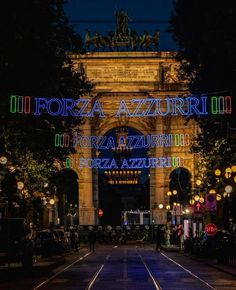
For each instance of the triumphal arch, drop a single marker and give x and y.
(126, 83)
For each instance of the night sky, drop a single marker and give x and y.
(90, 14)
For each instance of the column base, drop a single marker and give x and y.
(159, 216)
(87, 216)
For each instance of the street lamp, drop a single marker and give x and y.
(160, 206)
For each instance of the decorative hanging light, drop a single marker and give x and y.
(212, 191)
(233, 168)
(218, 197)
(20, 185)
(201, 199)
(191, 201)
(198, 182)
(228, 188)
(196, 197)
(217, 172)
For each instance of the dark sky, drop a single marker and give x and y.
(149, 11)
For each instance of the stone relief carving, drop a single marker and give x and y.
(172, 74)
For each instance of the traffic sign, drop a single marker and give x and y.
(197, 207)
(211, 202)
(100, 212)
(210, 229)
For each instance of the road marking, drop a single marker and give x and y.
(58, 273)
(94, 278)
(188, 271)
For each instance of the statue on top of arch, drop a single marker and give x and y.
(123, 37)
(122, 20)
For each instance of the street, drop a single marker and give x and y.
(126, 267)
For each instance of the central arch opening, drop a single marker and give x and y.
(124, 192)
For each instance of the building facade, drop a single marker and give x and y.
(128, 78)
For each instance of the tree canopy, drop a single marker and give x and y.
(35, 38)
(204, 31)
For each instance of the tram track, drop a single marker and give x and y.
(153, 279)
(108, 270)
(180, 266)
(189, 272)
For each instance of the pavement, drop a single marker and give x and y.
(210, 262)
(40, 265)
(46, 265)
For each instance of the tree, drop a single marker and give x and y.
(204, 31)
(35, 40)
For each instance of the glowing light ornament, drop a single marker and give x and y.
(192, 201)
(228, 188)
(217, 172)
(20, 185)
(198, 182)
(212, 191)
(221, 105)
(20, 104)
(218, 197)
(196, 197)
(201, 199)
(233, 168)
(228, 172)
(3, 160)
(146, 107)
(52, 201)
(62, 140)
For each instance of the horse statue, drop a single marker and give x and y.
(148, 42)
(134, 40)
(97, 41)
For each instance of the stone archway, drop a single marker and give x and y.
(126, 76)
(122, 189)
(67, 192)
(181, 182)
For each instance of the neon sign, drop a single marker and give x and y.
(146, 107)
(134, 142)
(20, 104)
(131, 163)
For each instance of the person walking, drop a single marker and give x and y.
(92, 240)
(180, 235)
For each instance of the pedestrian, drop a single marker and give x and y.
(74, 240)
(167, 236)
(180, 235)
(92, 240)
(158, 238)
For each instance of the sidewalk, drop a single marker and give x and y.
(41, 266)
(210, 262)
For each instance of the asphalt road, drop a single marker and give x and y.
(127, 267)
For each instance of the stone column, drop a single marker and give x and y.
(85, 186)
(157, 179)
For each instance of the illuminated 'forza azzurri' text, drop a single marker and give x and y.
(131, 163)
(146, 107)
(131, 141)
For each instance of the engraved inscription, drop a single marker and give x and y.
(122, 73)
